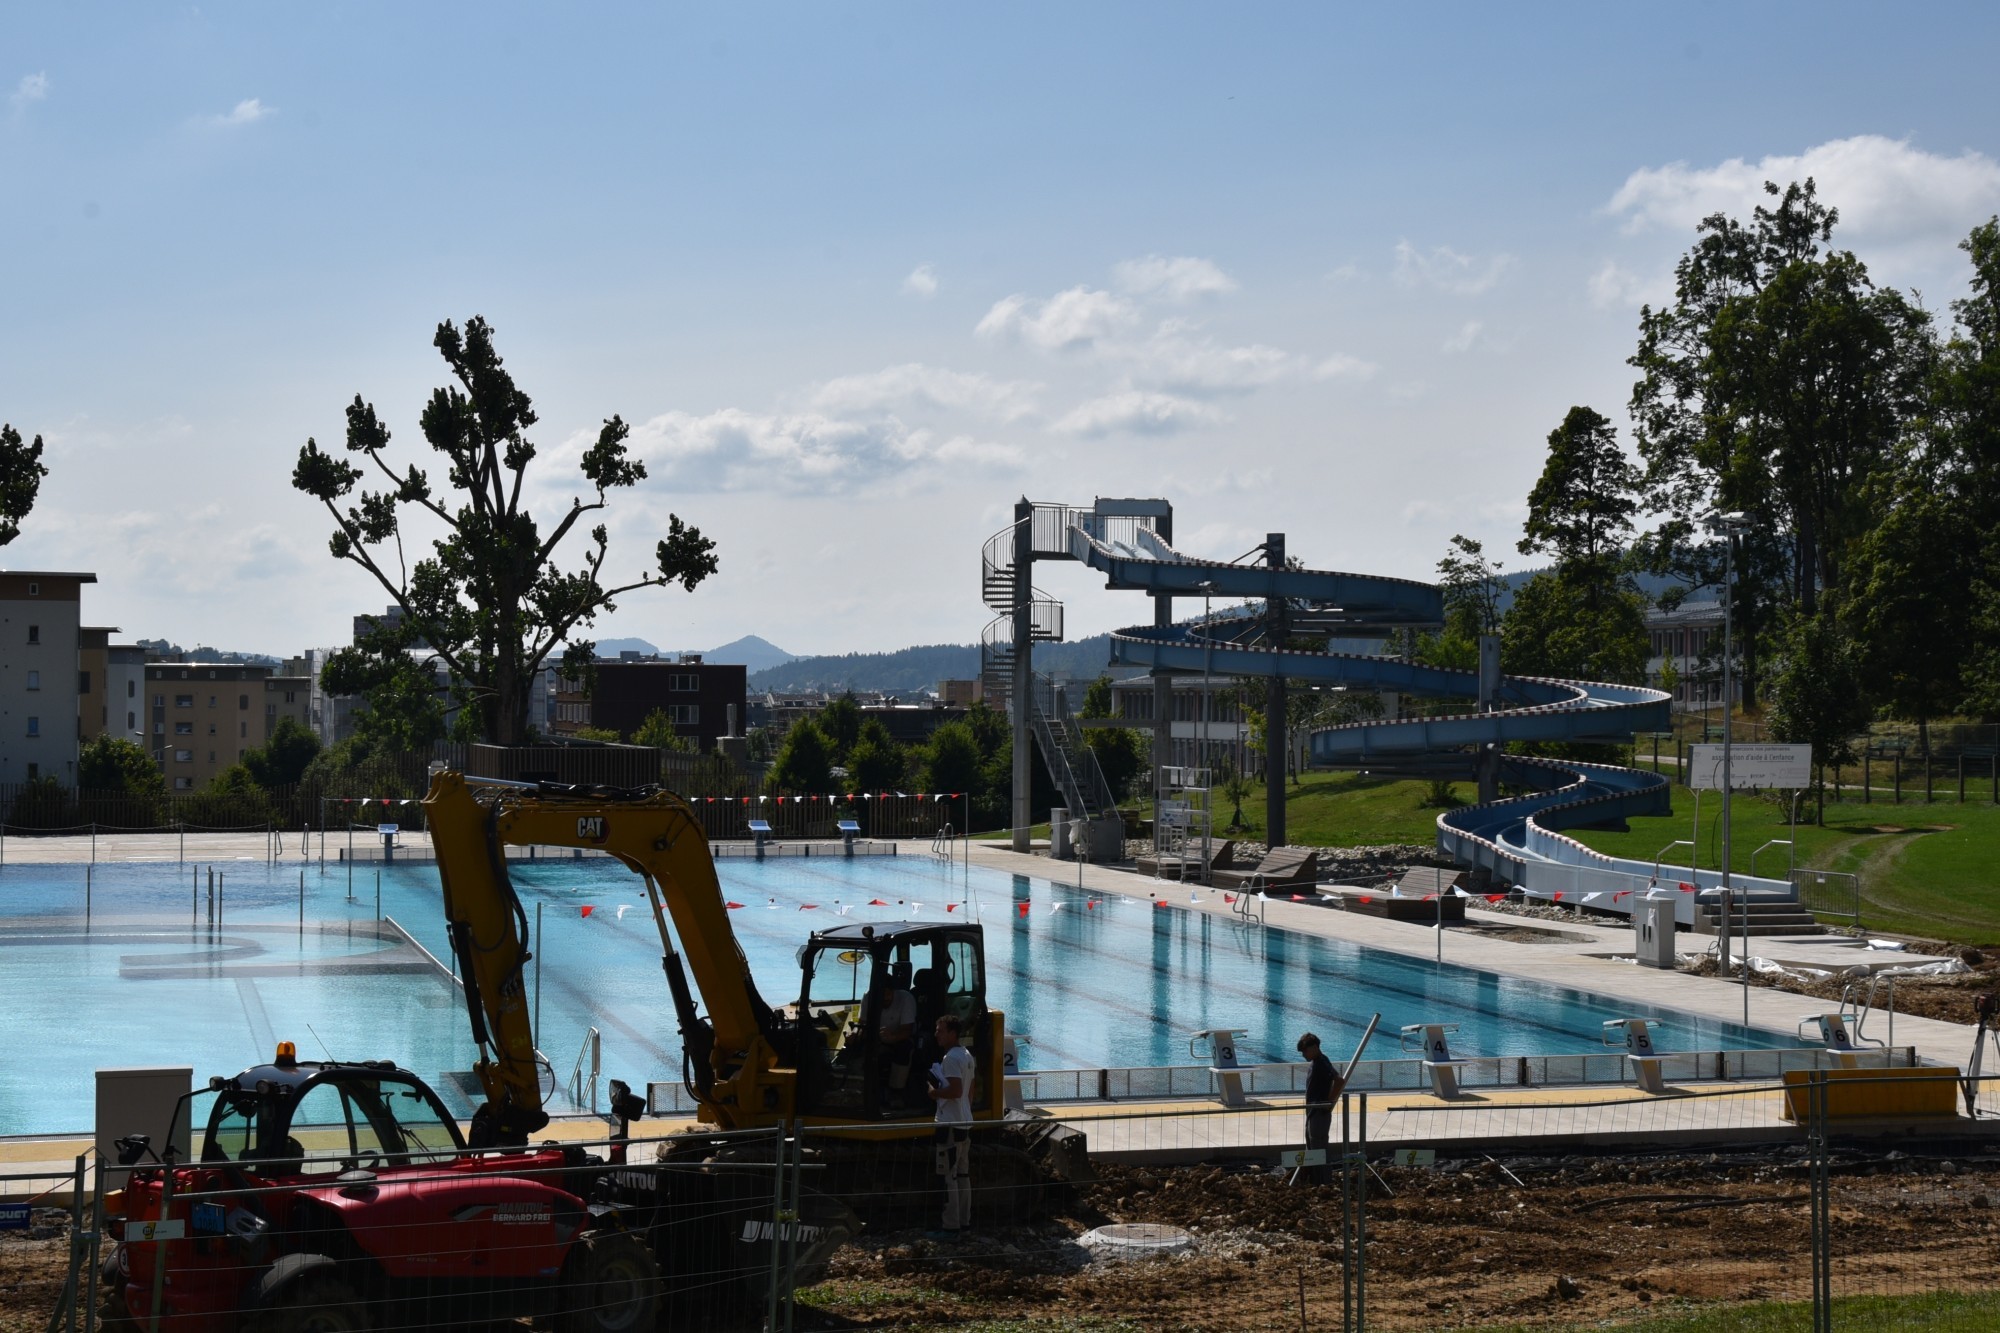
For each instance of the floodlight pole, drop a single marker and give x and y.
(1730, 525)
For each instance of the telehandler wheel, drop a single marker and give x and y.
(324, 1304)
(611, 1285)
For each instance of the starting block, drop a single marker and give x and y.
(1638, 1037)
(1010, 1072)
(1839, 1042)
(1227, 1072)
(760, 829)
(1437, 1057)
(849, 830)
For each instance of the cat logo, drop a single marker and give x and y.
(591, 828)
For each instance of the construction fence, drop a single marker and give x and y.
(1851, 1199)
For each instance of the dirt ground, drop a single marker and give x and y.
(1547, 1240)
(1559, 1241)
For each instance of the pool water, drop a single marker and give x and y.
(1094, 981)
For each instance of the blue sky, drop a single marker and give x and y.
(862, 275)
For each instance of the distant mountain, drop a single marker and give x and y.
(911, 669)
(749, 651)
(613, 647)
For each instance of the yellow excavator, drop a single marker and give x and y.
(820, 1062)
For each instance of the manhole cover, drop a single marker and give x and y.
(1137, 1240)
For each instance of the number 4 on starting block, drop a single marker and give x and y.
(1299, 1157)
(1414, 1157)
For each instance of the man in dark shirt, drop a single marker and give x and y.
(1322, 1086)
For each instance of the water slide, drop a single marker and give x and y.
(1518, 839)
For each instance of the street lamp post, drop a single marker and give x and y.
(1207, 587)
(1729, 525)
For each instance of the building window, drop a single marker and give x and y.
(83, 682)
(34, 680)
(34, 634)
(211, 756)
(34, 726)
(131, 721)
(242, 731)
(211, 698)
(684, 715)
(270, 710)
(184, 701)
(211, 728)
(291, 696)
(243, 702)
(34, 590)
(183, 728)
(184, 756)
(183, 784)
(684, 681)
(131, 689)
(34, 771)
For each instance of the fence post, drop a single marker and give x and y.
(1867, 782)
(1822, 1216)
(1347, 1324)
(1361, 1219)
(1961, 777)
(1899, 777)
(777, 1218)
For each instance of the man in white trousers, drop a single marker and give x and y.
(951, 1089)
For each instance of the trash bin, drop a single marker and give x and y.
(1059, 833)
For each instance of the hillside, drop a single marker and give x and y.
(921, 668)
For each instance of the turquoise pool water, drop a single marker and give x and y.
(147, 980)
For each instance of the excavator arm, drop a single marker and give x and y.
(733, 1056)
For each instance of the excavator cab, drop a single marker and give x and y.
(856, 981)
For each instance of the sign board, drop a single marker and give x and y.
(13, 1217)
(1303, 1157)
(172, 1229)
(388, 830)
(1783, 766)
(1413, 1157)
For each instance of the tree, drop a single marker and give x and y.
(875, 762)
(283, 759)
(1120, 753)
(1967, 462)
(1552, 630)
(953, 761)
(1472, 585)
(403, 708)
(1909, 605)
(113, 764)
(1235, 789)
(603, 735)
(805, 760)
(658, 731)
(489, 602)
(1776, 385)
(21, 474)
(1816, 696)
(840, 723)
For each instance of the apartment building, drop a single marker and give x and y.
(110, 679)
(701, 699)
(206, 715)
(41, 632)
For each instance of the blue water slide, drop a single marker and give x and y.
(1511, 837)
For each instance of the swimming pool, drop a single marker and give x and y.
(1120, 983)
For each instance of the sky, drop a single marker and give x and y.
(861, 276)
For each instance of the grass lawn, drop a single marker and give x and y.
(1946, 1312)
(1925, 870)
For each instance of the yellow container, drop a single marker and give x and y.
(1875, 1094)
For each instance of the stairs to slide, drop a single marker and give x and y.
(1519, 839)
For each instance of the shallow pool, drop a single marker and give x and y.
(1094, 981)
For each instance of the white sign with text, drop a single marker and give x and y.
(1781, 766)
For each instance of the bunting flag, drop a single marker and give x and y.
(1364, 899)
(1556, 897)
(951, 907)
(1159, 902)
(808, 907)
(623, 908)
(1430, 897)
(1298, 897)
(1090, 906)
(1054, 908)
(1622, 893)
(1023, 908)
(1686, 887)
(588, 908)
(1229, 898)
(1593, 897)
(1193, 897)
(848, 908)
(733, 906)
(877, 902)
(1496, 897)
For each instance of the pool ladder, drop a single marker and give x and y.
(1242, 906)
(590, 1057)
(945, 843)
(1856, 1004)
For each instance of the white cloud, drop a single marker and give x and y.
(31, 88)
(1174, 359)
(1138, 411)
(1449, 271)
(1467, 335)
(245, 112)
(1078, 317)
(1341, 366)
(915, 384)
(922, 281)
(807, 453)
(1884, 188)
(1182, 278)
(1615, 285)
(1345, 273)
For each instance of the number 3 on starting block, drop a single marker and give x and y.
(1304, 1157)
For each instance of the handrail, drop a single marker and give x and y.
(943, 843)
(1792, 859)
(1693, 869)
(1241, 907)
(1856, 1014)
(593, 1051)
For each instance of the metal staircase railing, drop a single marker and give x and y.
(1070, 761)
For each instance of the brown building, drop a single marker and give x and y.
(41, 674)
(204, 716)
(701, 700)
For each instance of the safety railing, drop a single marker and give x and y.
(583, 1085)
